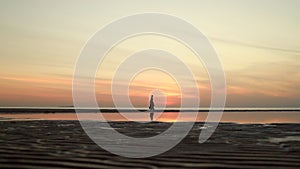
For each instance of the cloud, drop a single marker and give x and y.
(255, 46)
(272, 84)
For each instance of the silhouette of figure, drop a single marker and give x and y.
(151, 108)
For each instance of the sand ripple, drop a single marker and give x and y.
(63, 144)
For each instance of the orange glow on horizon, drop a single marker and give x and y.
(57, 91)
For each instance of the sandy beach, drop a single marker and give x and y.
(150, 84)
(63, 144)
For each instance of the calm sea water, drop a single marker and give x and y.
(235, 115)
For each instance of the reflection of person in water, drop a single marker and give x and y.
(151, 108)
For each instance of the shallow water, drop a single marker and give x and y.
(262, 117)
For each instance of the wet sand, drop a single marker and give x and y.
(63, 144)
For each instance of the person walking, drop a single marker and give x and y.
(151, 108)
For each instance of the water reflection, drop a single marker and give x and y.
(236, 117)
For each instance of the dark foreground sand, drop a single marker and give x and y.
(63, 144)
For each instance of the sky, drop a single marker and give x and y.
(258, 43)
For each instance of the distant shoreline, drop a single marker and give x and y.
(111, 110)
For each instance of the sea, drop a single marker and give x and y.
(227, 115)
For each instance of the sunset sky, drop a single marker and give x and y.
(258, 43)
